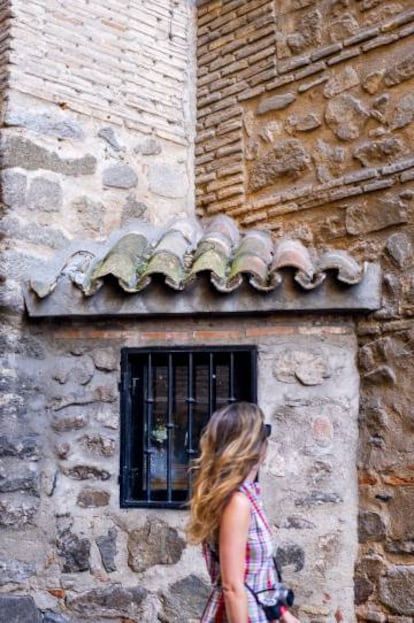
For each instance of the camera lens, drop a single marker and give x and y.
(290, 597)
(269, 601)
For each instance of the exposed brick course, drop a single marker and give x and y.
(106, 48)
(313, 49)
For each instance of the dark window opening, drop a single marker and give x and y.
(168, 395)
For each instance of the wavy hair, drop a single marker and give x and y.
(230, 447)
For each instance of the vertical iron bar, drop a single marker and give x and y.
(210, 384)
(170, 424)
(126, 425)
(190, 414)
(232, 397)
(253, 375)
(148, 421)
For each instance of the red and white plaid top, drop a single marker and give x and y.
(260, 572)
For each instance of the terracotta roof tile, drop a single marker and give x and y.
(182, 250)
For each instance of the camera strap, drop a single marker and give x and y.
(265, 590)
(278, 570)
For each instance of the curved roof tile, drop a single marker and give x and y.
(185, 248)
(348, 270)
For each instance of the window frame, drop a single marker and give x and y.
(127, 500)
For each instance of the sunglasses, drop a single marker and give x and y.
(268, 430)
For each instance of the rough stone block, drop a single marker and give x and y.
(108, 134)
(149, 147)
(363, 589)
(120, 176)
(109, 602)
(302, 123)
(277, 102)
(372, 82)
(15, 572)
(86, 472)
(288, 158)
(400, 510)
(18, 609)
(89, 214)
(64, 422)
(44, 195)
(359, 220)
(73, 552)
(297, 522)
(343, 81)
(48, 123)
(16, 513)
(381, 375)
(395, 590)
(403, 112)
(133, 209)
(30, 231)
(185, 600)
(107, 549)
(24, 447)
(400, 249)
(400, 71)
(375, 153)
(371, 527)
(315, 498)
(291, 554)
(294, 365)
(24, 153)
(168, 180)
(12, 480)
(98, 445)
(105, 359)
(346, 116)
(54, 617)
(14, 187)
(154, 544)
(92, 498)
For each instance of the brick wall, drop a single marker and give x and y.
(302, 82)
(116, 62)
(305, 127)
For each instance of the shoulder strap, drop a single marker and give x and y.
(255, 505)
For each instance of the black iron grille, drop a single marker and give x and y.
(167, 398)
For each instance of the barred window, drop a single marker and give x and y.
(167, 397)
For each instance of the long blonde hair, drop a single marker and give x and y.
(230, 447)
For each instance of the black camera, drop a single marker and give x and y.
(280, 596)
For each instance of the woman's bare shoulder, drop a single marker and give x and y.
(239, 503)
(235, 520)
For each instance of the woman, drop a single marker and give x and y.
(227, 515)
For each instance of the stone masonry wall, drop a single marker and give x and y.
(98, 118)
(69, 554)
(97, 130)
(305, 127)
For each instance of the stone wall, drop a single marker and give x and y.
(68, 546)
(97, 130)
(305, 127)
(98, 118)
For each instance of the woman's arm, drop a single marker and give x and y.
(234, 528)
(288, 617)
